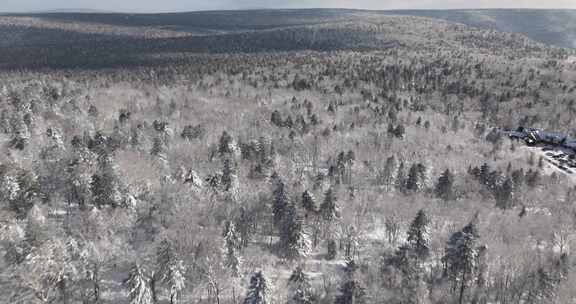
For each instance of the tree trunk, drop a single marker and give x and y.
(153, 288)
(462, 287)
(96, 281)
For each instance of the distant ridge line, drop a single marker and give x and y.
(97, 11)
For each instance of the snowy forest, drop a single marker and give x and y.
(345, 161)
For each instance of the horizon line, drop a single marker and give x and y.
(103, 11)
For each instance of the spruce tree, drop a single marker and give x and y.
(138, 287)
(294, 242)
(332, 249)
(244, 225)
(484, 173)
(280, 203)
(225, 144)
(405, 260)
(232, 261)
(386, 176)
(276, 118)
(308, 202)
(232, 243)
(444, 187)
(79, 185)
(299, 288)
(262, 149)
(350, 241)
(392, 225)
(20, 133)
(400, 180)
(390, 130)
(170, 270)
(231, 235)
(105, 186)
(136, 136)
(461, 258)
(288, 122)
(406, 267)
(228, 176)
(412, 182)
(175, 279)
(423, 178)
(419, 235)
(157, 148)
(328, 208)
(5, 121)
(258, 291)
(400, 131)
(93, 111)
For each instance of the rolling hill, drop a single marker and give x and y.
(554, 27)
(108, 40)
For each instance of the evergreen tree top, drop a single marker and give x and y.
(328, 208)
(308, 201)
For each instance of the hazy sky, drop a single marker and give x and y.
(189, 5)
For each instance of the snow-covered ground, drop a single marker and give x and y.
(556, 159)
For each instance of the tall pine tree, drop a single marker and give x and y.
(329, 208)
(258, 291)
(400, 181)
(245, 226)
(461, 258)
(308, 202)
(228, 175)
(170, 270)
(294, 241)
(444, 187)
(138, 287)
(419, 235)
(280, 203)
(386, 175)
(106, 185)
(299, 288)
(232, 243)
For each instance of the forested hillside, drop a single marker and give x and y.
(554, 27)
(550, 26)
(350, 161)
